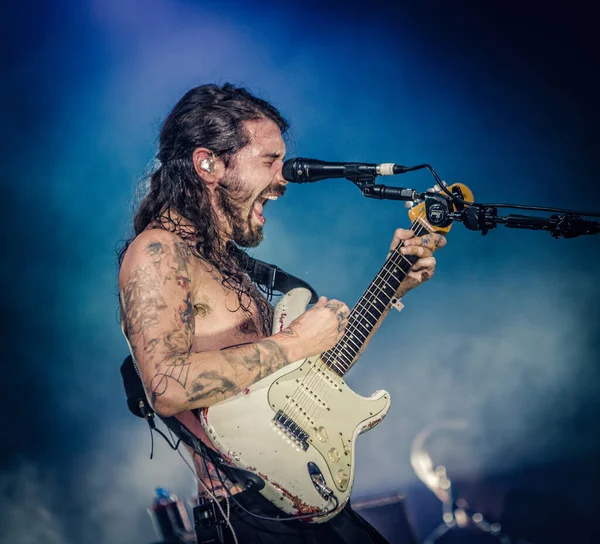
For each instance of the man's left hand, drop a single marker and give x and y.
(421, 246)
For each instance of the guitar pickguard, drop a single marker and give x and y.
(321, 404)
(243, 429)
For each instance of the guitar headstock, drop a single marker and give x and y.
(417, 211)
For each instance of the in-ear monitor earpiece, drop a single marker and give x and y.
(207, 165)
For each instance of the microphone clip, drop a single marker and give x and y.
(359, 174)
(385, 192)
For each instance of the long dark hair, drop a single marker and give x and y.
(206, 116)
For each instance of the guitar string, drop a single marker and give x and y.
(360, 318)
(334, 358)
(379, 290)
(397, 259)
(314, 379)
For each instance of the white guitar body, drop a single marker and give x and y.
(296, 429)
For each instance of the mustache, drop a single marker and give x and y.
(276, 190)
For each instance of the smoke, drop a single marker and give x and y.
(511, 358)
(124, 478)
(103, 500)
(26, 512)
(517, 371)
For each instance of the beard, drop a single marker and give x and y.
(237, 205)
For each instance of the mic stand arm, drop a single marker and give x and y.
(485, 218)
(475, 217)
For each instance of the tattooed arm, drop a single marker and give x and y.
(157, 281)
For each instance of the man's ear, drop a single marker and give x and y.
(209, 167)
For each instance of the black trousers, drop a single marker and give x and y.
(345, 528)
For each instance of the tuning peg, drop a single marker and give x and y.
(409, 203)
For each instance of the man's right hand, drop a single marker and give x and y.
(316, 330)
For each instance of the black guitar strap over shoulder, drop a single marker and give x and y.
(271, 278)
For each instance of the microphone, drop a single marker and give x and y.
(308, 170)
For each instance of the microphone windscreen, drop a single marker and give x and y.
(289, 171)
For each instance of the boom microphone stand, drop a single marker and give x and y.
(444, 206)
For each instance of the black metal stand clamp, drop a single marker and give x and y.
(364, 179)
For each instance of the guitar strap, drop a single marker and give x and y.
(270, 278)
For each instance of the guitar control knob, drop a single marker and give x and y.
(341, 477)
(322, 435)
(333, 455)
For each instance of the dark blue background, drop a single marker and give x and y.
(500, 96)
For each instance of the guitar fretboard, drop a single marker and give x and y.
(370, 308)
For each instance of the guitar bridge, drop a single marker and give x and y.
(291, 430)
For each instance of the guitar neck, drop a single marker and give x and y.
(371, 308)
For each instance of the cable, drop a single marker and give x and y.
(205, 461)
(173, 447)
(151, 443)
(268, 518)
(210, 494)
(228, 494)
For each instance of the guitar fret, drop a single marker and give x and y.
(346, 344)
(345, 359)
(385, 287)
(365, 306)
(386, 282)
(353, 328)
(336, 355)
(349, 338)
(364, 331)
(381, 293)
(334, 365)
(405, 262)
(358, 336)
(340, 349)
(374, 300)
(364, 322)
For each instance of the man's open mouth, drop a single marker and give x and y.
(260, 204)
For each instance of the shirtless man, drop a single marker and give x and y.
(198, 328)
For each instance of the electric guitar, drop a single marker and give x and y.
(296, 429)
